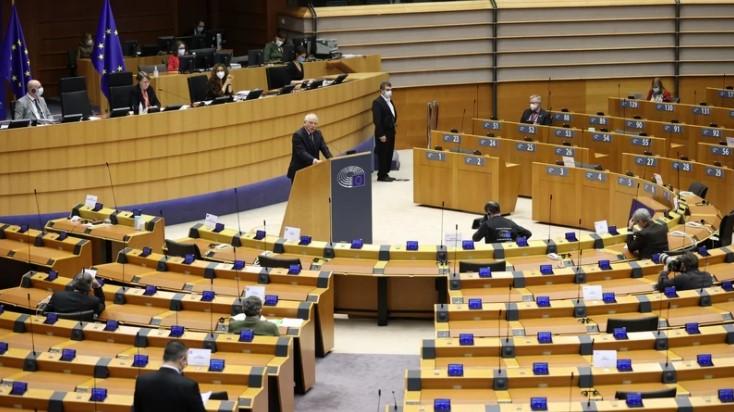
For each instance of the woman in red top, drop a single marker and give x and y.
(658, 93)
(173, 61)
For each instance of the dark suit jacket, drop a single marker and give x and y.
(166, 390)
(383, 119)
(293, 72)
(66, 301)
(136, 97)
(648, 241)
(685, 281)
(304, 151)
(499, 229)
(544, 117)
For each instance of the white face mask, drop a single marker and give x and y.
(387, 94)
(534, 106)
(90, 42)
(200, 29)
(181, 51)
(279, 42)
(301, 59)
(656, 90)
(220, 75)
(39, 92)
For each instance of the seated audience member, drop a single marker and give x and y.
(273, 51)
(658, 93)
(253, 309)
(295, 66)
(651, 238)
(535, 114)
(220, 82)
(494, 228)
(167, 389)
(75, 297)
(688, 276)
(200, 29)
(86, 45)
(173, 59)
(32, 105)
(142, 96)
(306, 144)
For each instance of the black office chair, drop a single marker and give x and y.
(121, 85)
(74, 98)
(495, 266)
(726, 227)
(699, 189)
(277, 77)
(174, 248)
(633, 325)
(82, 316)
(198, 88)
(255, 57)
(71, 61)
(663, 393)
(273, 262)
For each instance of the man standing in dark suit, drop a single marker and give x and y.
(306, 144)
(75, 297)
(167, 389)
(535, 114)
(652, 237)
(385, 117)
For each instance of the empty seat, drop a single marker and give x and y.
(197, 88)
(699, 189)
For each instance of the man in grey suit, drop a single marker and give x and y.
(32, 105)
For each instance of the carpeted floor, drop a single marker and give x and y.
(349, 382)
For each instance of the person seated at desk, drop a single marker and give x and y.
(142, 96)
(535, 114)
(273, 51)
(306, 144)
(658, 93)
(200, 29)
(220, 82)
(688, 276)
(75, 297)
(173, 59)
(253, 309)
(86, 44)
(32, 105)
(494, 228)
(652, 237)
(167, 389)
(295, 66)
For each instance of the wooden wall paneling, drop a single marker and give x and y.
(513, 97)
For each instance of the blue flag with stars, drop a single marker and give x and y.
(15, 63)
(107, 55)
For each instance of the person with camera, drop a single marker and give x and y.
(688, 276)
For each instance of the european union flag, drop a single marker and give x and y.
(107, 55)
(15, 63)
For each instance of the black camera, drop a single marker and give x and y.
(672, 263)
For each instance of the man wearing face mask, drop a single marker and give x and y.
(86, 44)
(32, 105)
(658, 93)
(273, 51)
(174, 63)
(535, 114)
(306, 144)
(385, 118)
(200, 29)
(167, 389)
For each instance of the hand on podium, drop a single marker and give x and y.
(316, 161)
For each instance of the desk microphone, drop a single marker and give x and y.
(239, 233)
(38, 213)
(550, 209)
(507, 324)
(440, 240)
(456, 247)
(463, 115)
(176, 95)
(548, 87)
(499, 341)
(394, 399)
(581, 251)
(379, 399)
(331, 226)
(112, 187)
(570, 392)
(265, 239)
(211, 309)
(33, 340)
(165, 250)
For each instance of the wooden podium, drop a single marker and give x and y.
(332, 200)
(462, 181)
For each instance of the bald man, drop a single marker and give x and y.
(307, 143)
(32, 105)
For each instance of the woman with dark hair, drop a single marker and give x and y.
(220, 82)
(143, 96)
(173, 58)
(295, 66)
(658, 93)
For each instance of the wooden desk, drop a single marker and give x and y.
(685, 113)
(720, 97)
(441, 179)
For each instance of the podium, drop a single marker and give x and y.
(332, 200)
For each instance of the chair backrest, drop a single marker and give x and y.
(197, 88)
(174, 248)
(120, 96)
(71, 61)
(725, 229)
(255, 57)
(633, 325)
(699, 189)
(84, 315)
(150, 68)
(76, 102)
(497, 266)
(277, 77)
(273, 262)
(72, 84)
(119, 79)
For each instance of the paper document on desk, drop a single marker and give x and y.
(604, 359)
(211, 220)
(199, 357)
(292, 233)
(91, 272)
(291, 322)
(592, 292)
(601, 227)
(258, 291)
(205, 396)
(90, 201)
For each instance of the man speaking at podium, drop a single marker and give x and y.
(306, 144)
